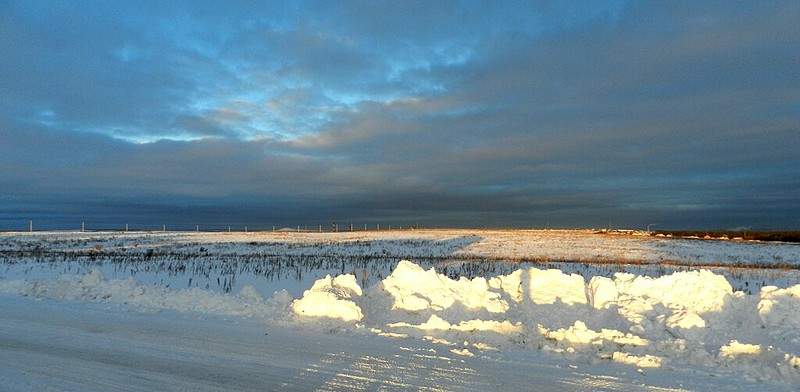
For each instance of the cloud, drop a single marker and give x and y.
(682, 114)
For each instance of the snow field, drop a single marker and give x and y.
(534, 245)
(691, 319)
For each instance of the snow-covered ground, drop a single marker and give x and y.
(342, 311)
(73, 346)
(511, 245)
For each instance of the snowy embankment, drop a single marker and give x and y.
(690, 319)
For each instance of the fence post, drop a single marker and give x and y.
(126, 227)
(229, 229)
(320, 228)
(273, 227)
(83, 227)
(163, 228)
(30, 226)
(197, 228)
(245, 229)
(379, 226)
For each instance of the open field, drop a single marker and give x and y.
(506, 245)
(634, 311)
(745, 235)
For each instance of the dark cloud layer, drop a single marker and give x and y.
(473, 113)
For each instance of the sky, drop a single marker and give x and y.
(682, 114)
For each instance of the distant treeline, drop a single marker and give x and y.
(785, 236)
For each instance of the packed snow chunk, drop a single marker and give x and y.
(436, 323)
(92, 279)
(504, 327)
(685, 324)
(697, 291)
(331, 298)
(415, 289)
(250, 294)
(601, 292)
(778, 308)
(436, 340)
(643, 361)
(280, 302)
(578, 334)
(549, 286)
(511, 284)
(792, 360)
(380, 332)
(463, 352)
(735, 349)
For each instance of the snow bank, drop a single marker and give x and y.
(331, 298)
(692, 319)
(689, 318)
(779, 307)
(551, 286)
(415, 289)
(94, 287)
(579, 334)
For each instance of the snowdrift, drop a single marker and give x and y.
(687, 319)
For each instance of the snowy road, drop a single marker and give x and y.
(47, 345)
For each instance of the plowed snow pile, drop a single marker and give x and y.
(687, 319)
